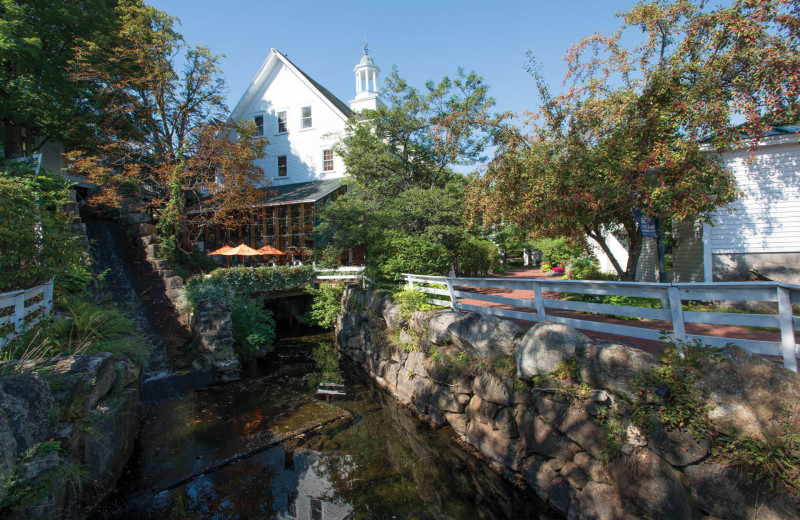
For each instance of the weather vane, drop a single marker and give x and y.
(366, 47)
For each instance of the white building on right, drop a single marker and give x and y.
(758, 235)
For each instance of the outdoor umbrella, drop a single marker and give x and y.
(221, 251)
(241, 250)
(269, 250)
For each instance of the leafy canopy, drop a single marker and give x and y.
(404, 193)
(626, 133)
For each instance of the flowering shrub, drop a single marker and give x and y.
(558, 269)
(545, 267)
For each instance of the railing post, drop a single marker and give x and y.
(19, 312)
(453, 300)
(48, 297)
(676, 310)
(541, 313)
(787, 329)
(410, 282)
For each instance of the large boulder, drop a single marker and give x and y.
(393, 316)
(728, 493)
(545, 478)
(652, 484)
(438, 326)
(109, 443)
(495, 445)
(491, 388)
(484, 335)
(542, 438)
(611, 366)
(8, 452)
(745, 391)
(419, 321)
(130, 219)
(27, 403)
(545, 346)
(81, 381)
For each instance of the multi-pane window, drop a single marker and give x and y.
(327, 160)
(282, 169)
(259, 121)
(305, 118)
(282, 122)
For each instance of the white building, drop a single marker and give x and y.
(302, 121)
(760, 235)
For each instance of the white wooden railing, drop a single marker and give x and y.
(672, 295)
(342, 273)
(19, 301)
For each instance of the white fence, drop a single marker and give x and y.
(672, 296)
(342, 273)
(19, 301)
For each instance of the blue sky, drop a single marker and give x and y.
(423, 39)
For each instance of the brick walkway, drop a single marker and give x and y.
(643, 344)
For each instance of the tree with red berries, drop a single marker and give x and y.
(635, 126)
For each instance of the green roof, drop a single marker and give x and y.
(302, 191)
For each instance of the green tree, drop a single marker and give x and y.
(400, 155)
(37, 96)
(628, 130)
(160, 125)
(35, 234)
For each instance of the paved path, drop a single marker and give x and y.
(643, 344)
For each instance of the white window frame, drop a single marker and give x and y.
(325, 162)
(285, 122)
(263, 120)
(310, 118)
(285, 166)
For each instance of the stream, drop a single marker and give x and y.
(266, 447)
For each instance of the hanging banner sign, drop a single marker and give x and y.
(646, 224)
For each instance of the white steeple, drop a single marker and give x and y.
(366, 83)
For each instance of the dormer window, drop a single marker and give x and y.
(282, 123)
(305, 117)
(259, 121)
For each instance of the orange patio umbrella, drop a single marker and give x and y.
(269, 250)
(221, 251)
(241, 250)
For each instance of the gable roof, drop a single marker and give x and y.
(273, 59)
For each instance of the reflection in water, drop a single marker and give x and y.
(377, 462)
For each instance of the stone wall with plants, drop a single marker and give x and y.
(227, 316)
(597, 429)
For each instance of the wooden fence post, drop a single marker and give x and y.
(47, 295)
(541, 313)
(19, 312)
(453, 300)
(676, 310)
(787, 329)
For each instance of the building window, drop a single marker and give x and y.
(327, 160)
(291, 504)
(282, 169)
(305, 121)
(259, 120)
(282, 122)
(316, 509)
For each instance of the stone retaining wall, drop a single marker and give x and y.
(559, 443)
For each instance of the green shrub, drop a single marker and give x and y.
(87, 323)
(35, 235)
(253, 325)
(389, 258)
(327, 299)
(73, 279)
(476, 257)
(221, 285)
(133, 348)
(556, 251)
(582, 268)
(411, 301)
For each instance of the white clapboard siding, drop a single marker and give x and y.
(671, 295)
(766, 219)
